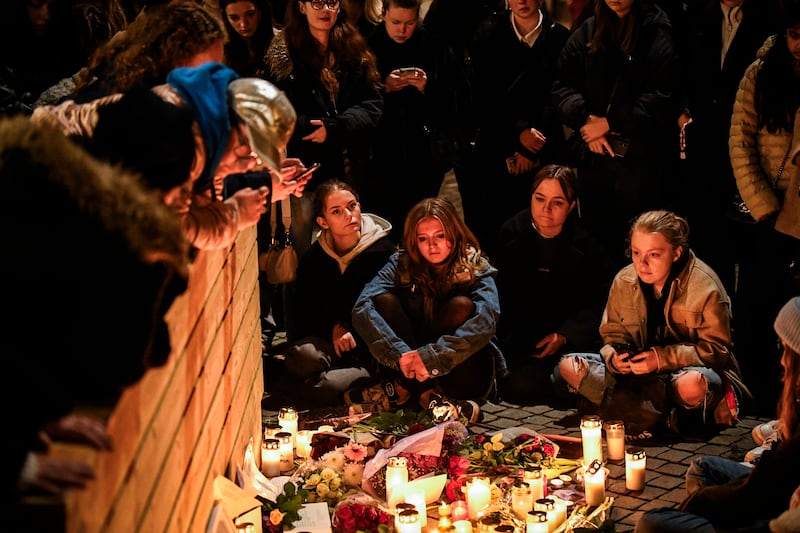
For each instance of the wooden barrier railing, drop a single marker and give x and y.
(189, 421)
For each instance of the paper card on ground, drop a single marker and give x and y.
(314, 518)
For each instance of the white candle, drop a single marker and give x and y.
(417, 499)
(479, 495)
(521, 499)
(399, 508)
(635, 468)
(535, 480)
(592, 438)
(325, 429)
(303, 443)
(463, 526)
(396, 478)
(536, 522)
(271, 457)
(287, 450)
(548, 506)
(594, 483)
(561, 510)
(287, 418)
(488, 524)
(615, 440)
(408, 521)
(270, 430)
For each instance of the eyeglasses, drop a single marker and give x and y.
(317, 4)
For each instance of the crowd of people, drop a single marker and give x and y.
(584, 151)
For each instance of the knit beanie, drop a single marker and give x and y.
(787, 325)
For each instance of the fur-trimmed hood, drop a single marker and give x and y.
(93, 263)
(278, 59)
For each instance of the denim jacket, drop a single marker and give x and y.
(448, 351)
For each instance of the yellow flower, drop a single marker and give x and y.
(327, 474)
(497, 442)
(276, 517)
(323, 490)
(312, 481)
(335, 483)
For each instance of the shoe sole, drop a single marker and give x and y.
(758, 434)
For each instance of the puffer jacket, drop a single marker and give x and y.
(756, 154)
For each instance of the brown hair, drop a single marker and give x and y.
(160, 39)
(565, 176)
(612, 32)
(674, 228)
(325, 189)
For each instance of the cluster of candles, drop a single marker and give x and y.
(592, 440)
(283, 442)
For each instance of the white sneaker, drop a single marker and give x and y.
(766, 444)
(765, 431)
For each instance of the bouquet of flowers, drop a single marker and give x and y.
(284, 511)
(332, 476)
(360, 512)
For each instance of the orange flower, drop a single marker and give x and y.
(276, 517)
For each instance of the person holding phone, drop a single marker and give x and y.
(418, 136)
(668, 350)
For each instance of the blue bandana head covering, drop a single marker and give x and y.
(205, 88)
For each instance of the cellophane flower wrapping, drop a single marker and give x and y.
(361, 512)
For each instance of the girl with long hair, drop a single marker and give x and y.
(250, 31)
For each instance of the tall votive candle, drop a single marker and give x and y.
(592, 438)
(536, 522)
(635, 468)
(271, 457)
(594, 483)
(615, 440)
(479, 494)
(534, 477)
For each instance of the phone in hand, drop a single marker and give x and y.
(408, 71)
(625, 348)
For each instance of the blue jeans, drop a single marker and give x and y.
(703, 471)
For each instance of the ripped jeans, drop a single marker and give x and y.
(693, 388)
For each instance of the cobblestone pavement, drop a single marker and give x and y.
(666, 465)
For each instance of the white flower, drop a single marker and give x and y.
(327, 474)
(323, 490)
(353, 474)
(334, 459)
(312, 481)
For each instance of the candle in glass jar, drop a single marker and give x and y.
(399, 508)
(615, 440)
(521, 499)
(458, 511)
(270, 430)
(303, 443)
(479, 495)
(594, 483)
(536, 522)
(592, 438)
(408, 521)
(271, 457)
(535, 480)
(396, 478)
(463, 526)
(635, 468)
(417, 499)
(488, 524)
(548, 506)
(561, 510)
(287, 450)
(287, 418)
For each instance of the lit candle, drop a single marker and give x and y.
(561, 510)
(444, 508)
(399, 508)
(287, 418)
(635, 468)
(521, 499)
(303, 443)
(479, 495)
(271, 457)
(325, 429)
(408, 521)
(287, 450)
(459, 511)
(535, 480)
(270, 430)
(548, 506)
(594, 483)
(463, 526)
(615, 440)
(396, 478)
(418, 500)
(592, 438)
(536, 522)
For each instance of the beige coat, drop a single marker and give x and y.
(698, 313)
(756, 154)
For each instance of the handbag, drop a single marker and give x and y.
(737, 210)
(280, 260)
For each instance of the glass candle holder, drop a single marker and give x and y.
(271, 457)
(536, 522)
(396, 478)
(615, 440)
(535, 479)
(594, 483)
(521, 499)
(635, 468)
(548, 506)
(408, 521)
(592, 438)
(272, 429)
(302, 443)
(479, 494)
(287, 450)
(287, 419)
(488, 524)
(418, 500)
(459, 511)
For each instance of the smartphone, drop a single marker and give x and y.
(625, 348)
(511, 164)
(407, 71)
(307, 172)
